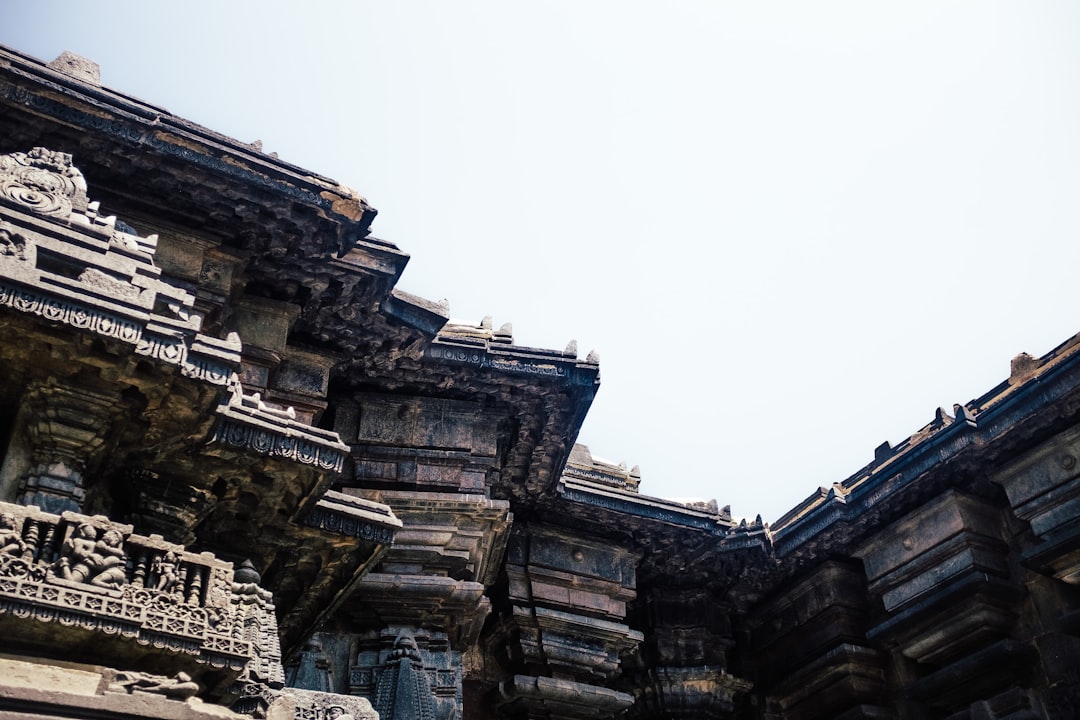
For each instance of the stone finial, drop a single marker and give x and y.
(78, 67)
(246, 574)
(404, 691)
(1022, 367)
(962, 413)
(571, 348)
(593, 357)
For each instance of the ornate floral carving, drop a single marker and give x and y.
(44, 181)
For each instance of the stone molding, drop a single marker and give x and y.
(245, 422)
(560, 698)
(98, 576)
(355, 517)
(62, 262)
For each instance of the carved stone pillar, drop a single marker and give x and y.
(65, 428)
(1043, 487)
(563, 631)
(809, 651)
(942, 576)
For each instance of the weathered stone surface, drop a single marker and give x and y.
(206, 353)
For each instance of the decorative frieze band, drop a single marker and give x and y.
(68, 266)
(265, 441)
(173, 351)
(69, 313)
(94, 575)
(331, 520)
(145, 615)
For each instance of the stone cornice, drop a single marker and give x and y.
(245, 423)
(32, 83)
(981, 424)
(353, 516)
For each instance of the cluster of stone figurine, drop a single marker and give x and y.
(87, 558)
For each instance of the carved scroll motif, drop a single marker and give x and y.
(43, 181)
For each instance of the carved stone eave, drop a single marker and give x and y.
(456, 607)
(628, 502)
(860, 493)
(350, 536)
(590, 647)
(447, 533)
(513, 359)
(415, 311)
(352, 516)
(368, 530)
(559, 698)
(246, 427)
(695, 539)
(146, 129)
(983, 428)
(581, 465)
(106, 287)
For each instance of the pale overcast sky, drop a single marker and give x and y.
(791, 230)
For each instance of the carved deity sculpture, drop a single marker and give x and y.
(10, 541)
(85, 558)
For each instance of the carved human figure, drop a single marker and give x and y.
(12, 244)
(336, 712)
(76, 554)
(177, 687)
(84, 558)
(165, 568)
(10, 541)
(110, 553)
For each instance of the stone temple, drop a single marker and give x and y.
(244, 476)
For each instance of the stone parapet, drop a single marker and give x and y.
(109, 590)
